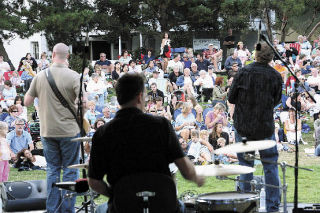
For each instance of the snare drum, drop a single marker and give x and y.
(227, 202)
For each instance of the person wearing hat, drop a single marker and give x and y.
(155, 77)
(255, 91)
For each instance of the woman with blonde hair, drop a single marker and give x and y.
(217, 115)
(5, 153)
(186, 119)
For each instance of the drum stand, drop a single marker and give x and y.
(145, 196)
(284, 186)
(90, 202)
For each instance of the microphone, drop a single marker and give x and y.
(248, 157)
(79, 186)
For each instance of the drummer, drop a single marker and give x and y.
(128, 145)
(255, 91)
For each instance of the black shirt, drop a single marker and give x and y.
(203, 65)
(133, 142)
(230, 38)
(255, 91)
(156, 94)
(292, 51)
(213, 141)
(114, 75)
(173, 78)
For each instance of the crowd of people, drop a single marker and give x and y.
(189, 89)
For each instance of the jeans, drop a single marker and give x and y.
(271, 174)
(59, 154)
(317, 151)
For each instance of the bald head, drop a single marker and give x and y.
(60, 51)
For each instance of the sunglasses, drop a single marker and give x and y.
(14, 111)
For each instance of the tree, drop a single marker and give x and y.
(61, 20)
(12, 24)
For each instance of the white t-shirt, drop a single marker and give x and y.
(4, 66)
(194, 149)
(313, 80)
(172, 64)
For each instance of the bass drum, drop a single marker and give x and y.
(227, 202)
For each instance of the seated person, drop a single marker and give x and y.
(154, 78)
(234, 70)
(231, 60)
(219, 95)
(198, 153)
(228, 157)
(13, 115)
(217, 115)
(217, 132)
(9, 93)
(25, 160)
(22, 110)
(160, 109)
(15, 79)
(155, 92)
(290, 125)
(186, 119)
(19, 139)
(96, 89)
(91, 114)
(205, 83)
(186, 82)
(87, 146)
(107, 115)
(173, 77)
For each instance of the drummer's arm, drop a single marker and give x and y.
(100, 186)
(187, 170)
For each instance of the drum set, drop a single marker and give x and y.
(231, 201)
(235, 201)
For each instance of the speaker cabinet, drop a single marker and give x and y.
(24, 195)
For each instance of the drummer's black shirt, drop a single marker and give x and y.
(133, 142)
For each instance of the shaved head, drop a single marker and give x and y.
(61, 51)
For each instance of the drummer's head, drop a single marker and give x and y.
(130, 91)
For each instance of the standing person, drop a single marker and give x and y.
(229, 43)
(5, 153)
(255, 91)
(30, 60)
(57, 126)
(146, 151)
(4, 66)
(165, 50)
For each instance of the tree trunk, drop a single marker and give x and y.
(313, 30)
(283, 28)
(163, 19)
(4, 53)
(268, 23)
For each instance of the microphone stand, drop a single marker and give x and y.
(284, 186)
(80, 110)
(296, 116)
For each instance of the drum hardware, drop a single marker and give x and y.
(92, 195)
(145, 197)
(284, 186)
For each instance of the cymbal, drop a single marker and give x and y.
(223, 170)
(249, 146)
(79, 166)
(82, 139)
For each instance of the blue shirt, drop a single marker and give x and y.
(101, 63)
(17, 143)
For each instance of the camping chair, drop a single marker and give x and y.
(159, 189)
